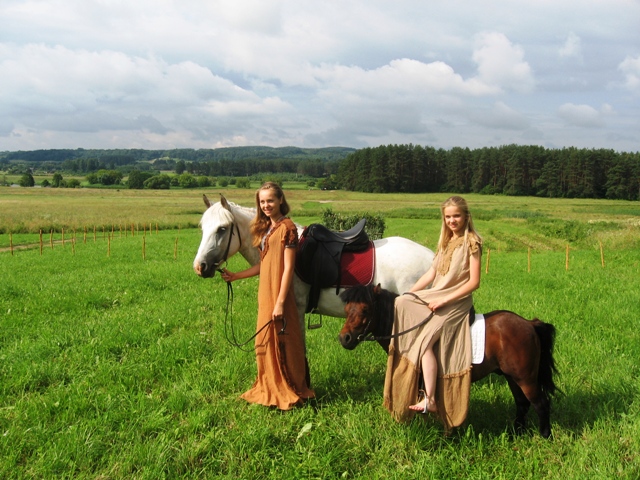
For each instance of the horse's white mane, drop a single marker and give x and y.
(250, 211)
(221, 214)
(218, 212)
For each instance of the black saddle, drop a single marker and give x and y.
(319, 254)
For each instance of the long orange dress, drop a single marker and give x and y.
(282, 366)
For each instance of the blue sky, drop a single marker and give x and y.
(166, 74)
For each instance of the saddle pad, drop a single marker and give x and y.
(357, 268)
(477, 339)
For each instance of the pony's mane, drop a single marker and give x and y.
(365, 294)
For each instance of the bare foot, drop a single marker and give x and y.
(426, 405)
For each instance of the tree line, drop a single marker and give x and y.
(232, 161)
(510, 170)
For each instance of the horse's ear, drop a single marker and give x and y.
(206, 200)
(224, 203)
(377, 289)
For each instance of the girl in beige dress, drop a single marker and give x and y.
(283, 377)
(440, 349)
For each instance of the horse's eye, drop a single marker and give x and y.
(221, 230)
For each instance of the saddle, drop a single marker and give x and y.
(319, 254)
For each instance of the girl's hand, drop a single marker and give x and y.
(227, 276)
(278, 312)
(436, 304)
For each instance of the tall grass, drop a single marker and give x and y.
(117, 367)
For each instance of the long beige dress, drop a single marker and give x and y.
(453, 350)
(282, 366)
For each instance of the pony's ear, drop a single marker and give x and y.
(224, 203)
(377, 289)
(206, 200)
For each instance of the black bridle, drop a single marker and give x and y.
(367, 335)
(228, 314)
(226, 252)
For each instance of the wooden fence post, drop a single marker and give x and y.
(11, 243)
(144, 248)
(566, 261)
(486, 268)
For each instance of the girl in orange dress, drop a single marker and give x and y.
(283, 377)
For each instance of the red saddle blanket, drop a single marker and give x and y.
(357, 268)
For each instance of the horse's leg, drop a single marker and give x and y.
(522, 405)
(517, 348)
(301, 292)
(541, 404)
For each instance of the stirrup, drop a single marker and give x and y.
(313, 326)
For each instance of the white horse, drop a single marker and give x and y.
(399, 262)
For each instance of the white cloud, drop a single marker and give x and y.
(572, 47)
(501, 64)
(584, 115)
(164, 73)
(502, 117)
(630, 67)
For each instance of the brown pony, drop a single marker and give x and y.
(521, 350)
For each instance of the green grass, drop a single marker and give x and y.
(116, 366)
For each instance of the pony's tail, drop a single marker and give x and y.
(547, 335)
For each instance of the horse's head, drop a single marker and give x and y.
(359, 307)
(220, 239)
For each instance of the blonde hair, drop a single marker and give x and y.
(261, 223)
(446, 233)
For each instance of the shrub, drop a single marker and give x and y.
(337, 221)
(186, 180)
(204, 181)
(137, 178)
(158, 182)
(27, 180)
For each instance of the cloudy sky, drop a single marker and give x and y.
(216, 73)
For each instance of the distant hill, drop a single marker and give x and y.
(186, 154)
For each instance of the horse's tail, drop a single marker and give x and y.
(547, 335)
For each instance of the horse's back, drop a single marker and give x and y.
(400, 262)
(512, 342)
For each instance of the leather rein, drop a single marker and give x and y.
(228, 313)
(367, 336)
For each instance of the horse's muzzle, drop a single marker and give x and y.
(348, 340)
(204, 270)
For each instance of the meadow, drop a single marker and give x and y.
(114, 363)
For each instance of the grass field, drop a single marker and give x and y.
(115, 366)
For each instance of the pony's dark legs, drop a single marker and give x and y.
(518, 353)
(522, 405)
(530, 394)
